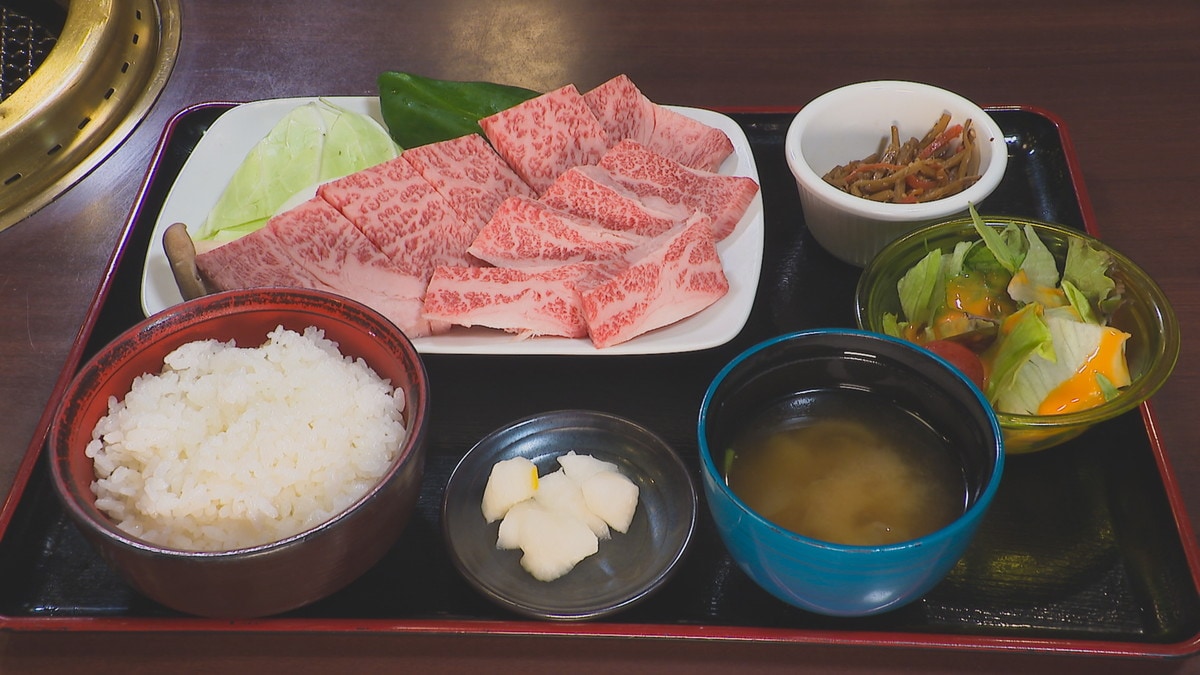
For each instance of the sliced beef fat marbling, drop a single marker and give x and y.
(546, 135)
(469, 174)
(622, 110)
(663, 182)
(627, 114)
(527, 233)
(592, 193)
(403, 215)
(526, 302)
(254, 260)
(679, 275)
(326, 252)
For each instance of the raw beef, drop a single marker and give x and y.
(688, 141)
(626, 114)
(403, 215)
(527, 233)
(622, 110)
(254, 260)
(593, 229)
(326, 244)
(679, 275)
(526, 302)
(591, 192)
(658, 180)
(469, 174)
(546, 135)
(333, 255)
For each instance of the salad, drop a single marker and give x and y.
(1035, 338)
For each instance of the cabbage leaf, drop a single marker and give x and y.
(314, 143)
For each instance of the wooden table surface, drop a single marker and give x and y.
(1122, 79)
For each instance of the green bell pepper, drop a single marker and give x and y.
(421, 110)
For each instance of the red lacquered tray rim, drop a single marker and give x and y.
(522, 627)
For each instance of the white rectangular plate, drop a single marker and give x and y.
(222, 148)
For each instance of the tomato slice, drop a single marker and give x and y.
(960, 357)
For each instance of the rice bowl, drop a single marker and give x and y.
(231, 447)
(283, 574)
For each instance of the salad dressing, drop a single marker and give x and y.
(970, 298)
(978, 294)
(1082, 390)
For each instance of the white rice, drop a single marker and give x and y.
(230, 447)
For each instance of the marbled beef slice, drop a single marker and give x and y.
(622, 109)
(470, 175)
(660, 180)
(525, 302)
(546, 135)
(403, 215)
(327, 245)
(679, 275)
(528, 233)
(591, 192)
(627, 114)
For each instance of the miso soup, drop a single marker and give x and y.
(847, 467)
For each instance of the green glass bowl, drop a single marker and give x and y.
(1146, 315)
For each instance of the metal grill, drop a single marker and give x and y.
(26, 41)
(100, 65)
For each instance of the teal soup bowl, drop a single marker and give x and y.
(846, 471)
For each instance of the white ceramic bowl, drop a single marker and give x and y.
(851, 122)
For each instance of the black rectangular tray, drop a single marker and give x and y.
(1087, 548)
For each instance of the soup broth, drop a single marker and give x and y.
(847, 467)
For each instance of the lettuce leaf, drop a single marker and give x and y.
(918, 289)
(1037, 280)
(1079, 303)
(1086, 268)
(892, 325)
(1023, 335)
(978, 258)
(1075, 343)
(957, 262)
(1109, 389)
(1039, 264)
(1006, 251)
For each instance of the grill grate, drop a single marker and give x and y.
(102, 65)
(27, 40)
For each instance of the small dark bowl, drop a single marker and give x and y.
(274, 577)
(627, 568)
